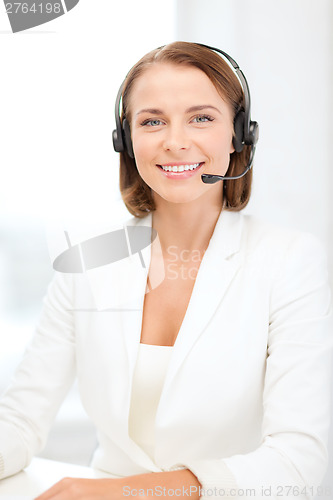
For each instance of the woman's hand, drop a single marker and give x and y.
(179, 483)
(84, 489)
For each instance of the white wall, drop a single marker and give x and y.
(58, 88)
(285, 49)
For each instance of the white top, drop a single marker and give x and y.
(148, 379)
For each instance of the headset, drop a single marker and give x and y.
(246, 131)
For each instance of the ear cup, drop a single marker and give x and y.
(118, 144)
(128, 139)
(239, 131)
(253, 134)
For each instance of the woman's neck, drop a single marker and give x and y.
(185, 226)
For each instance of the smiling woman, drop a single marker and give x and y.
(183, 73)
(210, 374)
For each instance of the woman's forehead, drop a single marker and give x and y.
(174, 82)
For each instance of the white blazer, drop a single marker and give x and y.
(245, 402)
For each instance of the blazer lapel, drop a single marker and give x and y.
(219, 266)
(134, 285)
(120, 287)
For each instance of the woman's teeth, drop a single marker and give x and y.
(180, 168)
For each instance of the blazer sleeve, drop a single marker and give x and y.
(41, 381)
(292, 458)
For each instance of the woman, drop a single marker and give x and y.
(213, 371)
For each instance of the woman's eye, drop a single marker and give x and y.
(203, 118)
(151, 123)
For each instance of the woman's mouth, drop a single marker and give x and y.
(180, 171)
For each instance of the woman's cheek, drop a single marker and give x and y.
(141, 147)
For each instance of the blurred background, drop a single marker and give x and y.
(58, 169)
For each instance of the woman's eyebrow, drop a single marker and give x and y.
(155, 111)
(152, 111)
(200, 108)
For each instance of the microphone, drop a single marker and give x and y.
(211, 178)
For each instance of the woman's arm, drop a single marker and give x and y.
(171, 484)
(41, 381)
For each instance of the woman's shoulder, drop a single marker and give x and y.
(259, 229)
(271, 238)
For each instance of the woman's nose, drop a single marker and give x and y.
(176, 138)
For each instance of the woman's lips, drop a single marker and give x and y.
(180, 175)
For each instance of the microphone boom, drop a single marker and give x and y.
(211, 178)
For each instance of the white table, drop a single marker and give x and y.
(41, 475)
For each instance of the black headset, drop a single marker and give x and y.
(246, 131)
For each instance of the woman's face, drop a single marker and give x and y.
(179, 120)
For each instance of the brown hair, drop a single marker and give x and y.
(135, 193)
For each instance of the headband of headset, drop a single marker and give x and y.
(246, 131)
